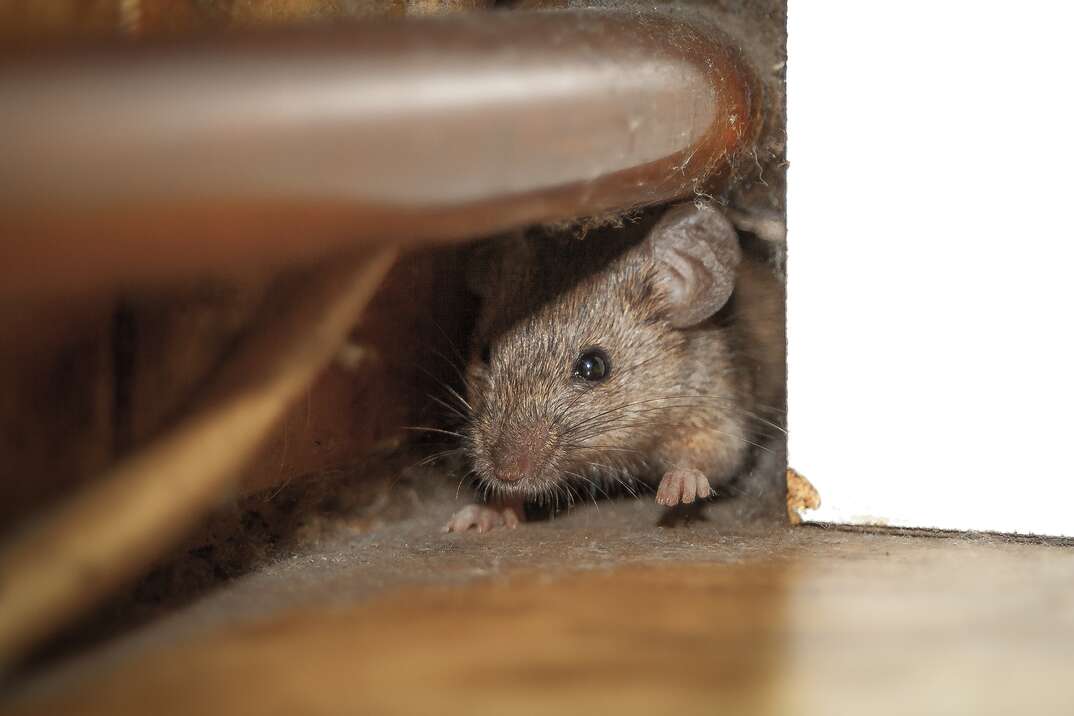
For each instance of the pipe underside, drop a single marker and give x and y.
(134, 163)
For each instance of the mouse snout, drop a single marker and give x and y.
(520, 454)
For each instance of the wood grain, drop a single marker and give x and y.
(841, 623)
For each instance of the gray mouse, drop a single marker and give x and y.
(652, 355)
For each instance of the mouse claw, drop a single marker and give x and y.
(682, 487)
(510, 519)
(485, 518)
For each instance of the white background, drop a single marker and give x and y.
(930, 262)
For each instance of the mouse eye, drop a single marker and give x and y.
(593, 365)
(486, 353)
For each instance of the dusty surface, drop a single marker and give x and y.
(387, 535)
(603, 608)
(331, 518)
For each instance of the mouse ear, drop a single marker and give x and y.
(696, 253)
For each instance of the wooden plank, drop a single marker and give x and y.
(56, 402)
(109, 532)
(810, 622)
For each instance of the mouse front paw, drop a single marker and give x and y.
(682, 486)
(486, 517)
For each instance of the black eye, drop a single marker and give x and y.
(486, 353)
(593, 365)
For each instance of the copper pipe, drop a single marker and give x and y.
(132, 163)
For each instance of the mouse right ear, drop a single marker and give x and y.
(696, 254)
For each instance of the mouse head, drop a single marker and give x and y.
(582, 356)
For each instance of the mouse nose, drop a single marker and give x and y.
(520, 454)
(513, 466)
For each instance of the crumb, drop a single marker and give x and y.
(801, 495)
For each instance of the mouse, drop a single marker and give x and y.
(651, 355)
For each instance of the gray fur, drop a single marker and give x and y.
(693, 385)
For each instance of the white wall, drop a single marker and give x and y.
(931, 261)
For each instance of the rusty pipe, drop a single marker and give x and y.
(126, 164)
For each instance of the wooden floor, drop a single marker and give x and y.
(806, 621)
